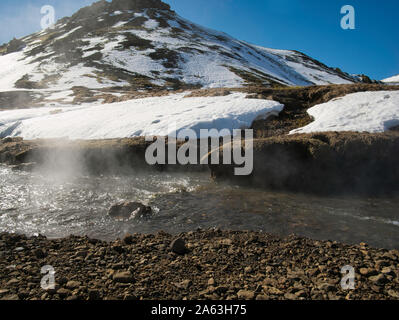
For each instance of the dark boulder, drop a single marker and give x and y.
(129, 210)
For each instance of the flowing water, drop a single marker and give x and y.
(59, 205)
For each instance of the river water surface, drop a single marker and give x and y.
(58, 205)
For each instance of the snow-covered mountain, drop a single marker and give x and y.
(111, 48)
(392, 79)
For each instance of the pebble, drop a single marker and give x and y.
(246, 295)
(378, 280)
(123, 277)
(178, 246)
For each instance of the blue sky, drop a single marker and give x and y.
(310, 26)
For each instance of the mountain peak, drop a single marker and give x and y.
(139, 4)
(102, 6)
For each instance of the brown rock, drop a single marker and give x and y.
(290, 296)
(40, 254)
(378, 280)
(10, 297)
(368, 272)
(393, 294)
(211, 282)
(128, 239)
(246, 295)
(123, 277)
(185, 284)
(388, 271)
(63, 293)
(13, 282)
(178, 246)
(94, 294)
(73, 284)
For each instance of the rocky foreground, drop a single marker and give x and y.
(211, 264)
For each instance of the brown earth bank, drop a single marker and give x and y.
(205, 264)
(327, 163)
(335, 162)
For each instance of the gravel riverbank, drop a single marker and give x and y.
(212, 264)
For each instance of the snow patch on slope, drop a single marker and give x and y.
(142, 117)
(392, 79)
(361, 112)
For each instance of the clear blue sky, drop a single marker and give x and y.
(310, 26)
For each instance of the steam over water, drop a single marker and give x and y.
(59, 205)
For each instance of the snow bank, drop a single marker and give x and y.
(392, 79)
(141, 117)
(362, 112)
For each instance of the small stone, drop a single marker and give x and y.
(123, 277)
(12, 282)
(274, 291)
(11, 297)
(300, 294)
(129, 210)
(290, 296)
(226, 242)
(40, 254)
(368, 272)
(178, 246)
(128, 239)
(221, 290)
(387, 271)
(375, 288)
(63, 293)
(3, 291)
(211, 282)
(378, 280)
(261, 297)
(393, 294)
(379, 264)
(248, 270)
(326, 287)
(245, 295)
(185, 284)
(94, 294)
(82, 254)
(72, 284)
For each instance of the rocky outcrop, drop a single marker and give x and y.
(139, 4)
(15, 45)
(99, 7)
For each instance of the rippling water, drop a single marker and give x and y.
(59, 205)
